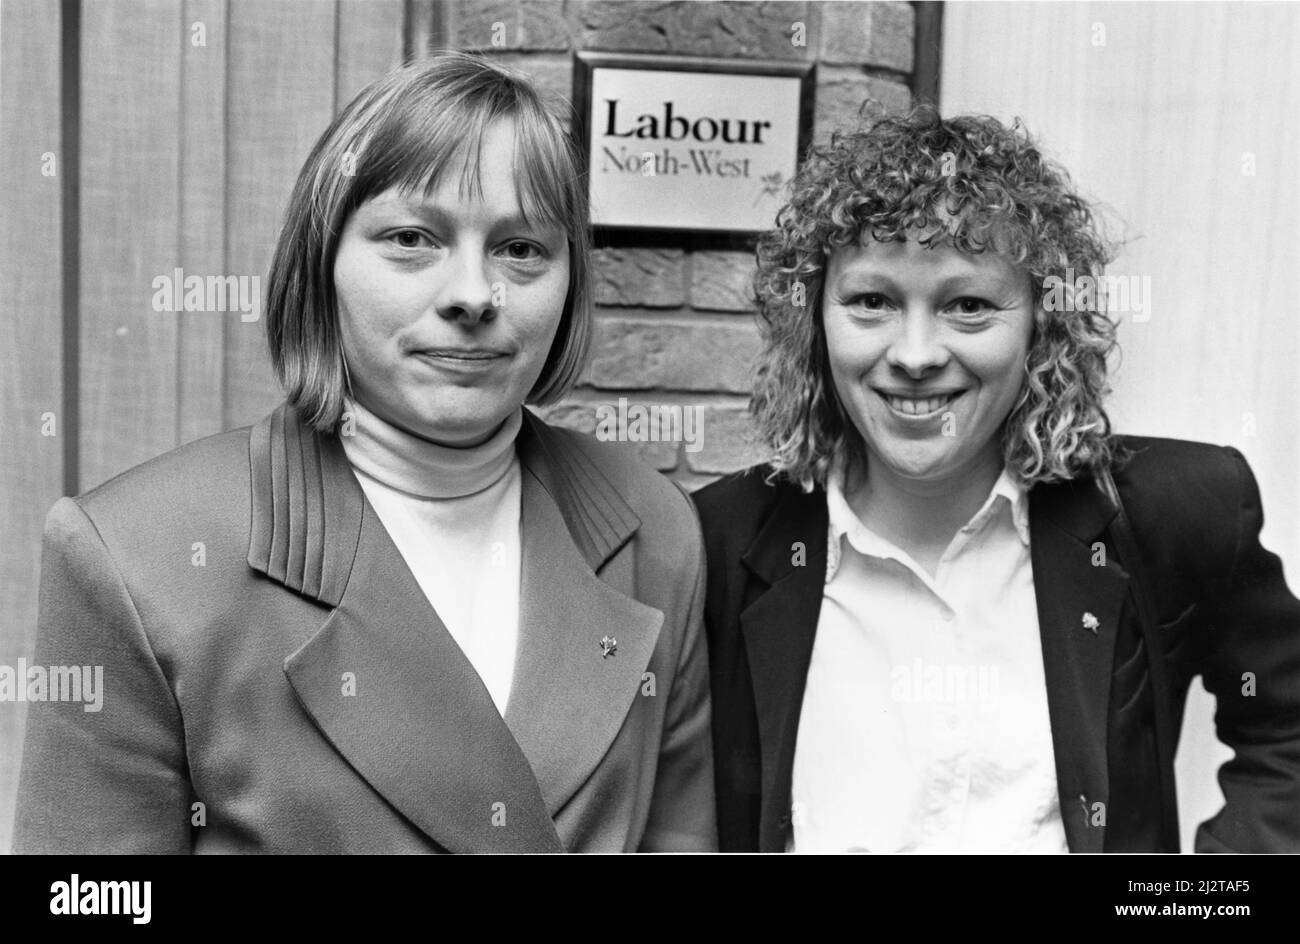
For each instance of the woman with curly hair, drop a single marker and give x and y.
(932, 613)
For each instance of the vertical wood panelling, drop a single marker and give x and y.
(202, 140)
(31, 338)
(130, 169)
(190, 144)
(281, 97)
(369, 44)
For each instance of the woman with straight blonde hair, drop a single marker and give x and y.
(427, 620)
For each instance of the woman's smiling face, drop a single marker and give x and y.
(448, 305)
(927, 352)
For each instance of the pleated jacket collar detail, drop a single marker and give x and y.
(306, 503)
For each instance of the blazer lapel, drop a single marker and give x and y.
(1080, 593)
(420, 726)
(570, 693)
(789, 558)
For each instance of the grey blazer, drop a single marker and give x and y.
(276, 681)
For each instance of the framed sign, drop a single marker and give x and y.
(690, 144)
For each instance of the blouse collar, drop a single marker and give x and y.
(844, 523)
(419, 467)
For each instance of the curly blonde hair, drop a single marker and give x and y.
(979, 185)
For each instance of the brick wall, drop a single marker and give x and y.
(674, 321)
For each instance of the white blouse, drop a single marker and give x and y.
(454, 515)
(925, 722)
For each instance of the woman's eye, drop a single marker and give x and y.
(520, 251)
(873, 301)
(408, 238)
(971, 306)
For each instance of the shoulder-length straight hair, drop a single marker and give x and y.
(980, 186)
(408, 130)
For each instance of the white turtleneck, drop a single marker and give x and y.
(454, 515)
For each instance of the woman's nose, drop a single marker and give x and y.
(916, 348)
(467, 293)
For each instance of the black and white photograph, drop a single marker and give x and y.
(614, 426)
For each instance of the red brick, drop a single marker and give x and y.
(841, 93)
(721, 281)
(582, 416)
(534, 25)
(750, 30)
(730, 443)
(870, 34)
(641, 278)
(639, 354)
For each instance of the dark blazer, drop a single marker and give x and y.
(1223, 610)
(226, 682)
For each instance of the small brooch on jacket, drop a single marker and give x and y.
(608, 646)
(1090, 622)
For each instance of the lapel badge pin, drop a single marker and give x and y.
(1090, 622)
(608, 646)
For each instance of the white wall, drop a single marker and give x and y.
(1158, 110)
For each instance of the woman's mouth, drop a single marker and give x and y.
(463, 354)
(919, 406)
(461, 359)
